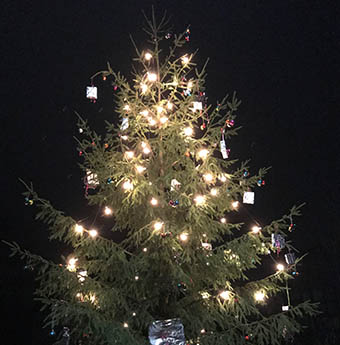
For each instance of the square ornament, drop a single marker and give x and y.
(248, 197)
(91, 92)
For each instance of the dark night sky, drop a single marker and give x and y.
(280, 57)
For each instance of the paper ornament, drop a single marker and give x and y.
(91, 179)
(91, 93)
(167, 332)
(207, 246)
(248, 197)
(278, 241)
(175, 185)
(196, 106)
(224, 151)
(290, 258)
(285, 307)
(125, 124)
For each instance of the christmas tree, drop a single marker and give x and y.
(165, 176)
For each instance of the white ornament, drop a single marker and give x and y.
(196, 106)
(92, 179)
(285, 307)
(175, 184)
(91, 92)
(224, 150)
(125, 124)
(248, 197)
(207, 246)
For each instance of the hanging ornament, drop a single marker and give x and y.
(290, 258)
(125, 124)
(173, 203)
(168, 35)
(175, 185)
(245, 173)
(278, 242)
(285, 307)
(288, 336)
(207, 246)
(229, 123)
(65, 339)
(90, 181)
(196, 106)
(91, 93)
(28, 201)
(260, 182)
(167, 332)
(187, 35)
(224, 151)
(182, 287)
(248, 197)
(292, 226)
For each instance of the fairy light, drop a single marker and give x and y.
(78, 229)
(146, 148)
(203, 331)
(256, 229)
(280, 267)
(222, 178)
(144, 88)
(125, 325)
(199, 200)
(225, 295)
(185, 59)
(183, 237)
(126, 107)
(154, 202)
(127, 185)
(152, 76)
(148, 56)
(158, 226)
(145, 250)
(190, 84)
(129, 154)
(214, 191)
(159, 109)
(203, 153)
(169, 105)
(93, 233)
(136, 277)
(107, 211)
(152, 121)
(208, 177)
(259, 296)
(140, 168)
(134, 314)
(71, 265)
(223, 220)
(175, 82)
(188, 131)
(144, 112)
(124, 137)
(235, 204)
(163, 120)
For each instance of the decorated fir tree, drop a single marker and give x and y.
(164, 175)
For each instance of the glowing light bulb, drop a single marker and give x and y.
(203, 153)
(222, 178)
(158, 226)
(208, 177)
(144, 112)
(152, 77)
(163, 119)
(93, 233)
(259, 296)
(148, 56)
(129, 154)
(188, 131)
(140, 168)
(214, 192)
(154, 202)
(159, 109)
(78, 229)
(134, 314)
(136, 277)
(107, 211)
(71, 265)
(225, 295)
(235, 204)
(175, 82)
(126, 107)
(144, 88)
(146, 150)
(190, 84)
(152, 121)
(81, 276)
(280, 267)
(124, 137)
(223, 220)
(145, 250)
(127, 185)
(203, 331)
(183, 237)
(185, 59)
(199, 200)
(256, 229)
(169, 105)
(125, 325)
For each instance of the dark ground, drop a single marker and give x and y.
(280, 57)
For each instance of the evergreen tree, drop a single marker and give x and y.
(164, 176)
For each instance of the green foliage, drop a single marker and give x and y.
(153, 274)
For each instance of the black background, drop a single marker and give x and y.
(280, 57)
